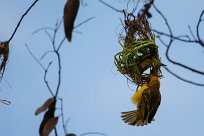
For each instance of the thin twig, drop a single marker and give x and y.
(106, 4)
(43, 28)
(59, 73)
(33, 56)
(55, 50)
(7, 82)
(67, 121)
(83, 22)
(191, 32)
(162, 41)
(62, 41)
(45, 54)
(181, 78)
(59, 24)
(45, 69)
(45, 79)
(135, 8)
(175, 37)
(128, 82)
(127, 6)
(197, 40)
(50, 37)
(55, 130)
(21, 20)
(170, 43)
(54, 39)
(62, 114)
(197, 29)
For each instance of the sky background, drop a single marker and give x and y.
(93, 92)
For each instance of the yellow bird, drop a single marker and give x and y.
(147, 100)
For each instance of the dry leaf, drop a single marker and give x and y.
(49, 125)
(48, 115)
(70, 13)
(4, 54)
(44, 106)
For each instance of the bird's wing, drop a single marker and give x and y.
(145, 103)
(154, 108)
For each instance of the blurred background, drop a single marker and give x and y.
(94, 93)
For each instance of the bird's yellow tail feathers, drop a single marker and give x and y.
(133, 118)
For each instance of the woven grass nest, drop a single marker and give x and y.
(139, 58)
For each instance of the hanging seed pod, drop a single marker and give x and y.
(70, 13)
(49, 120)
(4, 54)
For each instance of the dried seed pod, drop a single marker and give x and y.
(4, 54)
(49, 125)
(49, 121)
(44, 106)
(70, 13)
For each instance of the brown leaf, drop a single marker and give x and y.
(48, 115)
(70, 13)
(4, 54)
(45, 106)
(49, 125)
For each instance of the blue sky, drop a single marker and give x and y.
(94, 93)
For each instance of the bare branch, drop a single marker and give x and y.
(162, 41)
(33, 56)
(43, 28)
(166, 22)
(176, 37)
(106, 4)
(62, 113)
(45, 69)
(181, 78)
(170, 43)
(51, 39)
(59, 73)
(83, 22)
(21, 20)
(7, 82)
(62, 41)
(45, 54)
(45, 79)
(55, 130)
(136, 6)
(197, 29)
(191, 32)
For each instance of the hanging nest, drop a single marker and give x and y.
(139, 56)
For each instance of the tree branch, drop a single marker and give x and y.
(44, 69)
(181, 78)
(172, 38)
(106, 4)
(197, 29)
(21, 20)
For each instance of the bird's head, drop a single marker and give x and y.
(154, 82)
